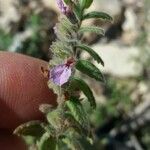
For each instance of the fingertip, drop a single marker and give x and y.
(22, 89)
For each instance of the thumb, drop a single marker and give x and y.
(22, 89)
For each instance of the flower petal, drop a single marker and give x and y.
(65, 75)
(60, 74)
(61, 6)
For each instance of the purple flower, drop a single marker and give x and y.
(64, 9)
(60, 74)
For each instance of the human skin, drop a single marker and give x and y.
(22, 89)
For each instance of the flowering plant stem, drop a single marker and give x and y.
(67, 125)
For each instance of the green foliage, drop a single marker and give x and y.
(5, 40)
(34, 21)
(91, 52)
(55, 119)
(118, 101)
(99, 15)
(68, 1)
(32, 128)
(145, 138)
(88, 3)
(61, 50)
(92, 29)
(78, 12)
(47, 142)
(32, 46)
(72, 143)
(77, 83)
(85, 3)
(75, 125)
(89, 69)
(64, 29)
(78, 112)
(35, 44)
(67, 125)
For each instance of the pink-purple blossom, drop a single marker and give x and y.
(64, 9)
(60, 74)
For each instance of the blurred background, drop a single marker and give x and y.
(122, 118)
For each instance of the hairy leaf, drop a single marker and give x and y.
(46, 108)
(78, 112)
(64, 29)
(61, 49)
(72, 143)
(53, 87)
(32, 128)
(100, 15)
(92, 29)
(80, 84)
(55, 119)
(89, 69)
(76, 125)
(47, 143)
(91, 52)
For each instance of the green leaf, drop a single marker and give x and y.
(100, 15)
(30, 140)
(85, 3)
(76, 125)
(78, 12)
(53, 87)
(88, 3)
(68, 1)
(46, 108)
(91, 52)
(32, 128)
(55, 119)
(92, 29)
(80, 84)
(82, 4)
(47, 143)
(89, 69)
(60, 49)
(78, 112)
(72, 143)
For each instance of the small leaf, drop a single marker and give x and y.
(100, 15)
(47, 142)
(72, 143)
(55, 119)
(89, 69)
(29, 140)
(46, 108)
(80, 84)
(75, 124)
(92, 29)
(53, 87)
(82, 4)
(32, 128)
(68, 2)
(78, 112)
(85, 3)
(78, 12)
(91, 52)
(88, 3)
